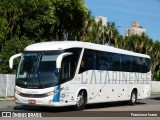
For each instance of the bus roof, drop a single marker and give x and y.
(61, 45)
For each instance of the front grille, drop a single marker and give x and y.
(33, 95)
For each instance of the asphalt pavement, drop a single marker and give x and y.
(146, 108)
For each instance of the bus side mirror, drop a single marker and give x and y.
(60, 58)
(12, 58)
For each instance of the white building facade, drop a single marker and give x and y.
(136, 29)
(103, 18)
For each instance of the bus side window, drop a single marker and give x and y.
(145, 65)
(68, 68)
(88, 61)
(116, 62)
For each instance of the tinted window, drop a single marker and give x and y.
(88, 61)
(116, 62)
(135, 66)
(99, 60)
(139, 64)
(69, 64)
(103, 61)
(126, 63)
(145, 65)
(148, 61)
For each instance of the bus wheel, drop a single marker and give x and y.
(133, 98)
(81, 101)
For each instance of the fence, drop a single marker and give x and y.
(155, 85)
(7, 83)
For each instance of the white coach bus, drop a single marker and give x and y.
(78, 73)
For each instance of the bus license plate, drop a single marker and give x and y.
(31, 101)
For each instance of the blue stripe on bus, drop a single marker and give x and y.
(57, 95)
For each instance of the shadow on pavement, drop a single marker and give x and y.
(42, 108)
(155, 98)
(111, 104)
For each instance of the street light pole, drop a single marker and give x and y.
(108, 30)
(103, 34)
(111, 35)
(1, 59)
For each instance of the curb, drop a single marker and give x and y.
(6, 99)
(155, 93)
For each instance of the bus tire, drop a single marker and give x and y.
(81, 101)
(133, 98)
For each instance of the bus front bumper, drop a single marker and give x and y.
(45, 101)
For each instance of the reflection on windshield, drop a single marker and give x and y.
(28, 64)
(37, 69)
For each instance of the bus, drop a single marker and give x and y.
(74, 73)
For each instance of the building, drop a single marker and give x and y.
(103, 18)
(136, 29)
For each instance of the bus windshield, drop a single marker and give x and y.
(37, 70)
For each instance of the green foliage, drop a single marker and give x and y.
(71, 16)
(23, 22)
(38, 19)
(157, 75)
(15, 45)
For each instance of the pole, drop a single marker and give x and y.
(103, 36)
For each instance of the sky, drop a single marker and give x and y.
(124, 12)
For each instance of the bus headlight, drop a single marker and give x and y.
(50, 93)
(17, 92)
(54, 92)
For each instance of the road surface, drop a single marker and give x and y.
(144, 109)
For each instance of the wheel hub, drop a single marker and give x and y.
(133, 98)
(80, 101)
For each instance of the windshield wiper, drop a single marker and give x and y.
(39, 81)
(36, 70)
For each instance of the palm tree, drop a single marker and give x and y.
(132, 43)
(99, 31)
(155, 56)
(149, 46)
(120, 42)
(91, 31)
(112, 34)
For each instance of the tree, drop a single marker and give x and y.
(71, 17)
(155, 57)
(157, 75)
(23, 22)
(93, 31)
(9, 17)
(31, 18)
(36, 21)
(15, 45)
(112, 34)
